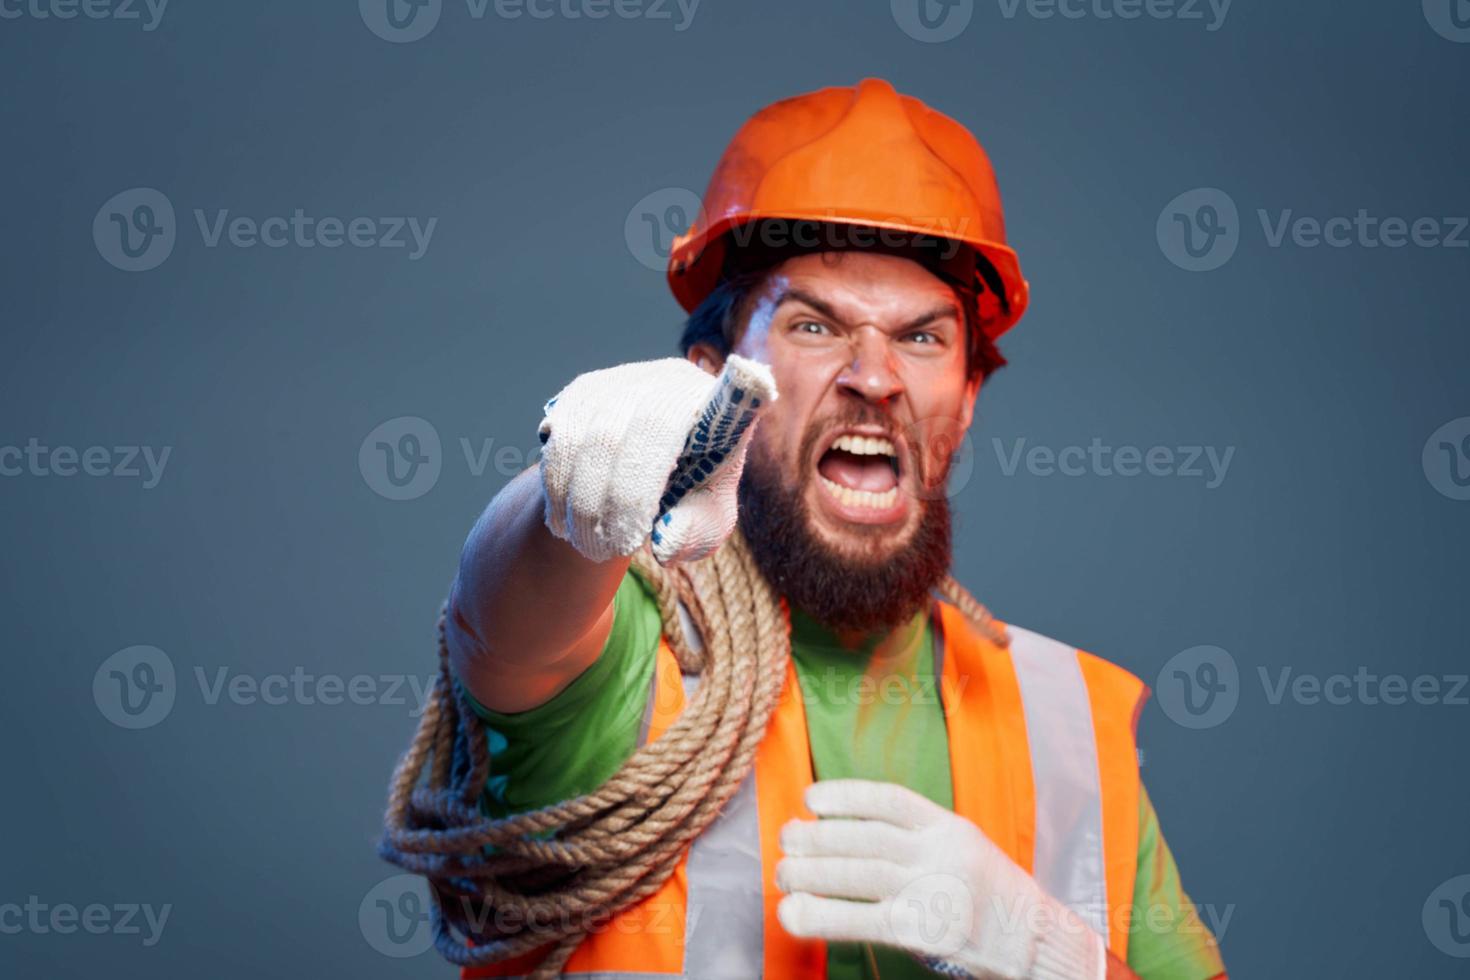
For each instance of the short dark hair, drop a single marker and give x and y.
(719, 320)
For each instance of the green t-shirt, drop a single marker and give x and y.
(869, 715)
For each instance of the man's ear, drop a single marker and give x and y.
(706, 358)
(967, 408)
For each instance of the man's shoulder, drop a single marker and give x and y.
(1117, 695)
(1034, 652)
(1042, 645)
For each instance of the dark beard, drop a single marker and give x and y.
(870, 594)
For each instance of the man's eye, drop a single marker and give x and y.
(924, 337)
(810, 326)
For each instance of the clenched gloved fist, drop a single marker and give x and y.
(650, 448)
(889, 866)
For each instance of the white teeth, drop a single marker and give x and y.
(861, 498)
(864, 445)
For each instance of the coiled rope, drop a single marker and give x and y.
(551, 876)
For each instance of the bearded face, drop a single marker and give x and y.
(842, 499)
(869, 578)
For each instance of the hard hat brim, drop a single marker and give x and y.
(696, 264)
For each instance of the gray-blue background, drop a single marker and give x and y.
(1321, 830)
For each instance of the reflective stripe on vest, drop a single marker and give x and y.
(1068, 855)
(1063, 802)
(1042, 759)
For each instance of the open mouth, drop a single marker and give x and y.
(861, 472)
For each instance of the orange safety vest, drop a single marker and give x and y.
(1043, 759)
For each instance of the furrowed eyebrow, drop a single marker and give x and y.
(949, 310)
(801, 296)
(941, 313)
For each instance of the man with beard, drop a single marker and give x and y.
(976, 787)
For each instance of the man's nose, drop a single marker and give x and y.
(870, 371)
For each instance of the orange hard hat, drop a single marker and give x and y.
(863, 156)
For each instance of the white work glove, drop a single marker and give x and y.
(650, 448)
(889, 866)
